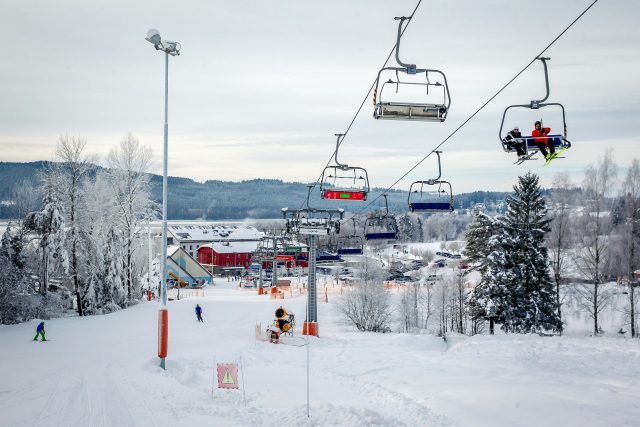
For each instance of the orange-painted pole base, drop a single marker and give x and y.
(163, 334)
(260, 291)
(310, 328)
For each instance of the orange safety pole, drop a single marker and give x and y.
(163, 334)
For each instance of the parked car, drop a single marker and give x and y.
(456, 256)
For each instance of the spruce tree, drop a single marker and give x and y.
(531, 297)
(485, 301)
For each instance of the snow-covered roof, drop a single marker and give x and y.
(232, 247)
(213, 233)
(172, 249)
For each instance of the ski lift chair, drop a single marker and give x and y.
(381, 227)
(350, 245)
(424, 111)
(431, 201)
(344, 182)
(531, 148)
(437, 198)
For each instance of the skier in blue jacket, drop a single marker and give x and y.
(199, 313)
(40, 332)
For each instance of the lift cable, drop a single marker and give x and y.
(479, 109)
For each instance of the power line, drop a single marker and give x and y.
(481, 107)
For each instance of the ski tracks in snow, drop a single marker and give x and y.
(96, 397)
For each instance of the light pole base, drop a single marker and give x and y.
(310, 328)
(162, 364)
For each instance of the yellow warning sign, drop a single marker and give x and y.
(226, 379)
(227, 375)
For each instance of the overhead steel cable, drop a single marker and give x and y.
(346, 132)
(480, 108)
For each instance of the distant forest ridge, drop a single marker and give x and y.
(216, 200)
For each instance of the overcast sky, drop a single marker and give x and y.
(261, 86)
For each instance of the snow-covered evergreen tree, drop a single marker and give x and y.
(516, 289)
(12, 247)
(64, 179)
(49, 224)
(477, 236)
(490, 296)
(532, 304)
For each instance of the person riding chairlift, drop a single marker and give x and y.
(514, 140)
(539, 135)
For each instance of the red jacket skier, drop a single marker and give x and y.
(539, 135)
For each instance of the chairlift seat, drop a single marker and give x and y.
(343, 194)
(350, 251)
(410, 111)
(434, 207)
(558, 142)
(327, 257)
(389, 235)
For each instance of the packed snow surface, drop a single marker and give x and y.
(103, 371)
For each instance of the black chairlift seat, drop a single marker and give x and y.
(322, 256)
(438, 197)
(430, 201)
(381, 227)
(387, 235)
(350, 251)
(432, 207)
(350, 245)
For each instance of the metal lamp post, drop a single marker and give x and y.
(169, 48)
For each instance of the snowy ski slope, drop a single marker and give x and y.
(102, 371)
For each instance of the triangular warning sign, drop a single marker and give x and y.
(227, 375)
(227, 378)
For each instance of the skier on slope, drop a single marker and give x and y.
(40, 332)
(199, 313)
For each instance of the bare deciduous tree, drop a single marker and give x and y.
(367, 304)
(594, 245)
(630, 235)
(129, 164)
(558, 239)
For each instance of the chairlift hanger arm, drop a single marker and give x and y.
(410, 68)
(546, 81)
(339, 137)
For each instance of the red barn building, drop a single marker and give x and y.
(226, 256)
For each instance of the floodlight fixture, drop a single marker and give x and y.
(167, 46)
(153, 37)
